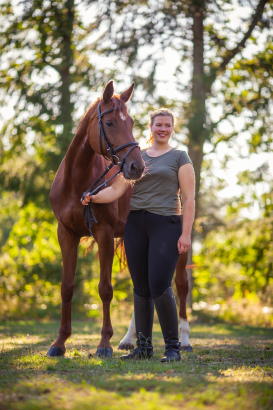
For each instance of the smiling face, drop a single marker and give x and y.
(161, 128)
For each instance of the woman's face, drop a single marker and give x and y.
(162, 128)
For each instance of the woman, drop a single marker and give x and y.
(155, 233)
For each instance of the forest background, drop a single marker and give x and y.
(211, 62)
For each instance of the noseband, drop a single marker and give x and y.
(112, 155)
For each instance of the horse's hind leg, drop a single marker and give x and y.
(182, 287)
(105, 241)
(129, 339)
(69, 246)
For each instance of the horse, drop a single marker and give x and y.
(104, 134)
(182, 288)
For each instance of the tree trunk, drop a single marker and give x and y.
(196, 124)
(66, 105)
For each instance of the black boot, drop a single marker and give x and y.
(144, 349)
(167, 315)
(144, 315)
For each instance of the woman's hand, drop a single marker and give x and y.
(109, 194)
(184, 243)
(86, 199)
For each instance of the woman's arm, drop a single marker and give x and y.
(186, 180)
(109, 194)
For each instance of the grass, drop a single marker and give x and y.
(231, 367)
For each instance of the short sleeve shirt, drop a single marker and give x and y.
(158, 190)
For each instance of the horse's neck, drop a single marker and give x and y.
(79, 161)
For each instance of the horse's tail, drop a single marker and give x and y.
(120, 253)
(88, 243)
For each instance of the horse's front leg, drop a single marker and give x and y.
(182, 287)
(105, 241)
(69, 246)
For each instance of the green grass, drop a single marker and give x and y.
(231, 368)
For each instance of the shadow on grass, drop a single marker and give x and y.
(201, 378)
(187, 381)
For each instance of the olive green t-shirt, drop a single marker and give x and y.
(158, 190)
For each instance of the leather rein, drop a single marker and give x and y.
(112, 155)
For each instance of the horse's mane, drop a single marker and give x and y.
(84, 121)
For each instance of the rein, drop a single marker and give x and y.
(112, 154)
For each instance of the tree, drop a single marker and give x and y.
(46, 70)
(236, 260)
(200, 33)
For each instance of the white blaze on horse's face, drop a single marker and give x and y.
(122, 116)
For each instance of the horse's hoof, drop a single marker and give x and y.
(126, 346)
(187, 348)
(55, 351)
(104, 352)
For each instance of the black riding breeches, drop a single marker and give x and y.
(151, 249)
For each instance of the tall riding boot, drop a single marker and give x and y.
(144, 315)
(167, 315)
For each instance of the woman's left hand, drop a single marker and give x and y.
(184, 243)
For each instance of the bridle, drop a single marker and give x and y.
(110, 153)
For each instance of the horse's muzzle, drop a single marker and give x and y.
(133, 169)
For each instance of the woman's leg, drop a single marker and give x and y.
(136, 247)
(163, 255)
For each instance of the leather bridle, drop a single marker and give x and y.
(110, 153)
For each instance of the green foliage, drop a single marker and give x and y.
(236, 261)
(247, 91)
(30, 264)
(45, 70)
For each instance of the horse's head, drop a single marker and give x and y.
(113, 137)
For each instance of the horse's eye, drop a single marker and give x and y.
(109, 123)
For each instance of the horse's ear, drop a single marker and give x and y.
(108, 92)
(127, 94)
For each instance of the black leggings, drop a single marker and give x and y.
(151, 249)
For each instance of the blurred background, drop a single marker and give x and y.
(211, 62)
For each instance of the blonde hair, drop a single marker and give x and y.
(165, 112)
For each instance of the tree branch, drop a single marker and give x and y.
(255, 19)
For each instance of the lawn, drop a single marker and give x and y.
(231, 367)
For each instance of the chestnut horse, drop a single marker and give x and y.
(104, 133)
